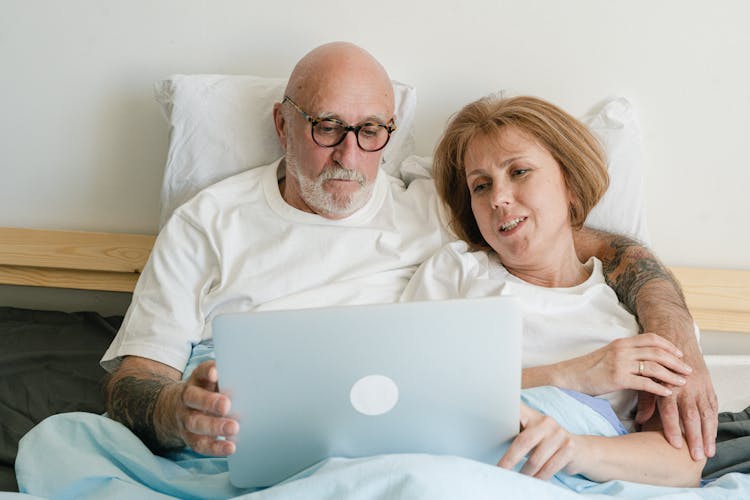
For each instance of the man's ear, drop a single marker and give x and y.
(280, 124)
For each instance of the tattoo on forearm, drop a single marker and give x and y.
(630, 268)
(631, 280)
(133, 401)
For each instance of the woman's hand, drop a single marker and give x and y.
(645, 362)
(550, 448)
(644, 457)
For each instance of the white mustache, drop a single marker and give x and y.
(341, 173)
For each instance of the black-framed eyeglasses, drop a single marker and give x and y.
(330, 132)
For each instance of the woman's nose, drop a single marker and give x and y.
(502, 194)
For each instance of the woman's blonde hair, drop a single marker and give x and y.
(570, 143)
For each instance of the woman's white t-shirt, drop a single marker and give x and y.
(558, 323)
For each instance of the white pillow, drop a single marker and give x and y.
(223, 124)
(621, 210)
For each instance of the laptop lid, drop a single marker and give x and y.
(438, 377)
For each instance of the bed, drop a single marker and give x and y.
(51, 358)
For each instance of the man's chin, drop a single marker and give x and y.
(340, 187)
(340, 205)
(339, 208)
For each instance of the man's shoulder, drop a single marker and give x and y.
(417, 197)
(239, 183)
(416, 186)
(239, 189)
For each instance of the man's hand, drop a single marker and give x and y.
(647, 288)
(693, 405)
(166, 413)
(202, 411)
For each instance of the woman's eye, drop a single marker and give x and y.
(478, 188)
(519, 171)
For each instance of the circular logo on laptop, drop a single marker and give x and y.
(374, 395)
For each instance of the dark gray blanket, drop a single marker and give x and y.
(732, 445)
(49, 363)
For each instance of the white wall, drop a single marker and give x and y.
(82, 142)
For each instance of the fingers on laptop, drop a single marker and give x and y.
(209, 445)
(549, 447)
(207, 434)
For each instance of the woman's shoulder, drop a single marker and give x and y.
(459, 253)
(451, 272)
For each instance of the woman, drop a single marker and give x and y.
(519, 176)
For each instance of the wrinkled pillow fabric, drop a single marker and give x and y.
(223, 124)
(622, 209)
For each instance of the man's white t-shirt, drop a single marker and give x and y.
(558, 323)
(238, 246)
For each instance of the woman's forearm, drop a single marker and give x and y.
(642, 457)
(537, 376)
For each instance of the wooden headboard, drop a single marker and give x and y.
(719, 299)
(72, 259)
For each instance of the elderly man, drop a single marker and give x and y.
(324, 226)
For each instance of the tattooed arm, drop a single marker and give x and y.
(166, 413)
(649, 291)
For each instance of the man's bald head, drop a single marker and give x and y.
(339, 66)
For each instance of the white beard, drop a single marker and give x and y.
(323, 202)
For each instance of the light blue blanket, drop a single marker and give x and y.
(80, 455)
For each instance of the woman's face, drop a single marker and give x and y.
(519, 198)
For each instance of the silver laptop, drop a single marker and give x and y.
(439, 377)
